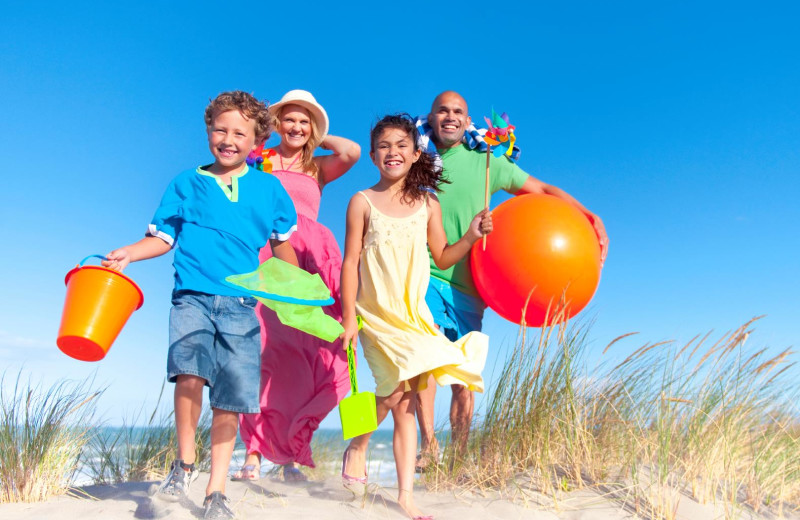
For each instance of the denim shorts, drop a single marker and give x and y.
(455, 312)
(217, 338)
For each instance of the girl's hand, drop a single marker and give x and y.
(480, 225)
(350, 332)
(117, 259)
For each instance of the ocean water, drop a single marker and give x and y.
(380, 458)
(328, 448)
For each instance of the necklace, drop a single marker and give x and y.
(280, 158)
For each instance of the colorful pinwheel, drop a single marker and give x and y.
(500, 134)
(259, 159)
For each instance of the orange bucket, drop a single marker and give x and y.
(99, 301)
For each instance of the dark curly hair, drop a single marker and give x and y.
(247, 105)
(424, 175)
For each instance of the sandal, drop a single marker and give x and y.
(248, 472)
(347, 480)
(425, 463)
(293, 474)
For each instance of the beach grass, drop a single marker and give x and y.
(712, 419)
(42, 434)
(140, 451)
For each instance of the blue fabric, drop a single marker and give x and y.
(473, 137)
(217, 338)
(455, 312)
(216, 236)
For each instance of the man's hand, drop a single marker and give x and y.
(602, 237)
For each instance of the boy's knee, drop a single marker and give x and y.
(221, 416)
(189, 382)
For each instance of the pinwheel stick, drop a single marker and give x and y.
(486, 192)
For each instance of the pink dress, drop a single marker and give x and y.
(302, 377)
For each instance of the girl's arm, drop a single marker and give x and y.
(446, 255)
(283, 250)
(148, 247)
(345, 154)
(353, 242)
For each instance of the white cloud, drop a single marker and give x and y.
(10, 341)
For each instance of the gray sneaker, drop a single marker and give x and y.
(176, 485)
(216, 505)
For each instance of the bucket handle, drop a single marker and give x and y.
(352, 369)
(101, 257)
(351, 360)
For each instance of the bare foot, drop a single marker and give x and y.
(406, 502)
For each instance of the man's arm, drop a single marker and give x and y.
(534, 185)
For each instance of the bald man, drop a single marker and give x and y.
(456, 306)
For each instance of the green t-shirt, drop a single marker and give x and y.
(463, 198)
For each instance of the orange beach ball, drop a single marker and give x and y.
(542, 246)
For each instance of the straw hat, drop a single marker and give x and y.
(304, 99)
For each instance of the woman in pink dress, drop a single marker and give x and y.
(302, 377)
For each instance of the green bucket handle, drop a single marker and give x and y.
(351, 361)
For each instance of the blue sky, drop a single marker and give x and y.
(679, 124)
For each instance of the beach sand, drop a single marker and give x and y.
(322, 500)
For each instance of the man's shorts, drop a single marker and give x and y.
(456, 313)
(217, 338)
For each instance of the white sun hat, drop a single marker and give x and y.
(304, 99)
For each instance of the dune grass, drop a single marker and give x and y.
(142, 451)
(714, 420)
(42, 433)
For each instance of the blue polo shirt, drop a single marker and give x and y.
(218, 231)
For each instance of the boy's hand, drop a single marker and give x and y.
(480, 225)
(117, 259)
(350, 332)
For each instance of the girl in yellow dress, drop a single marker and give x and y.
(385, 274)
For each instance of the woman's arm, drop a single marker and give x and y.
(353, 243)
(344, 156)
(446, 255)
(283, 250)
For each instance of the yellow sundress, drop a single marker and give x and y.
(399, 338)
